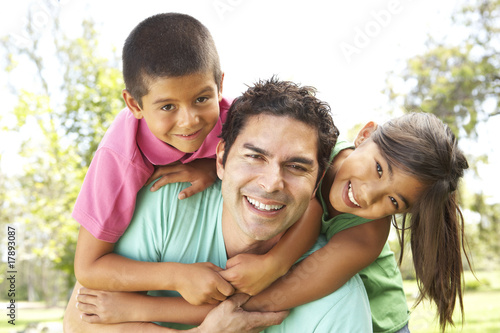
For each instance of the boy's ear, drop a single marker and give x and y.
(132, 104)
(220, 87)
(365, 133)
(219, 155)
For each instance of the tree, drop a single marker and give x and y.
(459, 81)
(63, 115)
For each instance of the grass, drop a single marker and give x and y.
(35, 316)
(481, 306)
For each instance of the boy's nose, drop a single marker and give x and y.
(187, 118)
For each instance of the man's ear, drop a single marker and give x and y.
(365, 133)
(219, 155)
(221, 84)
(132, 104)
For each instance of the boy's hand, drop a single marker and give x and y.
(200, 173)
(201, 283)
(251, 273)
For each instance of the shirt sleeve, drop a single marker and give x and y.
(106, 202)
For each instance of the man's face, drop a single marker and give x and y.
(269, 177)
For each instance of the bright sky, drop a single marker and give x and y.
(344, 49)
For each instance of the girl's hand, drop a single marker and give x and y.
(251, 273)
(106, 307)
(200, 173)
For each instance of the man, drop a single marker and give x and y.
(274, 148)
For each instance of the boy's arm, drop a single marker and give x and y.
(97, 267)
(325, 270)
(200, 173)
(251, 274)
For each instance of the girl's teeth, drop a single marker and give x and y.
(261, 206)
(351, 196)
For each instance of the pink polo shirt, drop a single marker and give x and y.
(121, 166)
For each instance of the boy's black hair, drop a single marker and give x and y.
(167, 45)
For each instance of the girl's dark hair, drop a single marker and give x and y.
(286, 99)
(424, 147)
(167, 45)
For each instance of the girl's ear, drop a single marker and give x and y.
(132, 104)
(219, 155)
(365, 133)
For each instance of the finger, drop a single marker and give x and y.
(87, 299)
(91, 318)
(164, 180)
(191, 190)
(87, 291)
(226, 289)
(86, 308)
(264, 319)
(239, 299)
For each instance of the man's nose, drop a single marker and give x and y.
(187, 117)
(271, 179)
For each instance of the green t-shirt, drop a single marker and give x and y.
(382, 279)
(164, 228)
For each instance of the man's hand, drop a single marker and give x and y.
(105, 307)
(229, 317)
(200, 173)
(251, 273)
(201, 283)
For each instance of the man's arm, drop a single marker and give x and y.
(325, 270)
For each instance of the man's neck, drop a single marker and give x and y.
(236, 242)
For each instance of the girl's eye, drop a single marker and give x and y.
(168, 107)
(201, 99)
(394, 202)
(379, 170)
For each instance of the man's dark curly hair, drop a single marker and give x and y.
(284, 99)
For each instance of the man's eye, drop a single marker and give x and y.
(168, 107)
(201, 99)
(394, 202)
(297, 167)
(379, 170)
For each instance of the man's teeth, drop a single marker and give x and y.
(351, 196)
(261, 206)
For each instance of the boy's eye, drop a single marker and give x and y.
(379, 170)
(168, 107)
(201, 99)
(394, 202)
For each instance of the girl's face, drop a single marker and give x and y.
(367, 185)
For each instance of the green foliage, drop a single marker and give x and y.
(459, 81)
(62, 117)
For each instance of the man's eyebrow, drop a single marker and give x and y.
(391, 173)
(295, 159)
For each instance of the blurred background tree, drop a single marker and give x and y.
(459, 81)
(67, 97)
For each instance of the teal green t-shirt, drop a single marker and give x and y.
(164, 228)
(382, 279)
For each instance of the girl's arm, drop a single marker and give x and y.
(325, 270)
(97, 267)
(251, 273)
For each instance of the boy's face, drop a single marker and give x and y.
(180, 111)
(367, 185)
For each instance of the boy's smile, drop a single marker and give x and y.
(181, 111)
